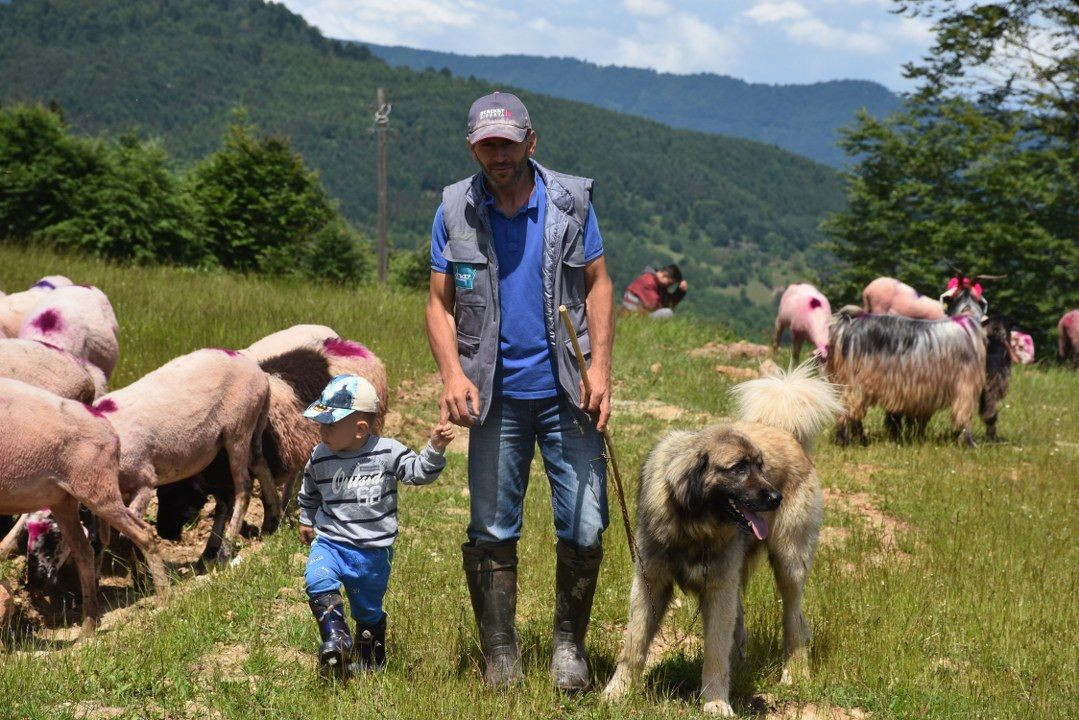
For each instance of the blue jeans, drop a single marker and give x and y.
(365, 573)
(500, 452)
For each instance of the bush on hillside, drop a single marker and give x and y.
(259, 204)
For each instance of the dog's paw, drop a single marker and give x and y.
(794, 672)
(720, 708)
(616, 689)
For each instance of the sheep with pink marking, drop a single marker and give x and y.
(50, 368)
(296, 376)
(1022, 346)
(288, 339)
(805, 310)
(888, 296)
(1068, 337)
(78, 319)
(14, 306)
(175, 420)
(58, 453)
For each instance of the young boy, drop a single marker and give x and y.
(348, 508)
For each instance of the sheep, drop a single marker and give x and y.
(78, 319)
(50, 368)
(910, 367)
(1068, 337)
(287, 339)
(59, 453)
(1022, 347)
(15, 305)
(173, 421)
(888, 296)
(296, 378)
(807, 313)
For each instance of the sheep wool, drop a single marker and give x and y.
(78, 319)
(47, 367)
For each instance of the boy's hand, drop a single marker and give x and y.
(441, 436)
(307, 534)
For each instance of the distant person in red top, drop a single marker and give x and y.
(656, 292)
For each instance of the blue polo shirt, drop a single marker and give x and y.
(525, 368)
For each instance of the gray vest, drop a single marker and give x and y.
(475, 266)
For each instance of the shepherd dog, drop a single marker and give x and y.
(708, 502)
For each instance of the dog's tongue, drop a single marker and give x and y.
(760, 527)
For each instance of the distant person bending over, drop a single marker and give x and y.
(656, 292)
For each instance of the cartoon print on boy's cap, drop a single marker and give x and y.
(344, 395)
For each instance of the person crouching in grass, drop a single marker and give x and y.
(348, 515)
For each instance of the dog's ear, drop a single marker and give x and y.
(688, 491)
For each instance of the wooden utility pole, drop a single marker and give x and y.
(382, 119)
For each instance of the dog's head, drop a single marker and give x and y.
(724, 477)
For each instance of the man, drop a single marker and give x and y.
(509, 245)
(656, 292)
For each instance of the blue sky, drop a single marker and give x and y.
(774, 41)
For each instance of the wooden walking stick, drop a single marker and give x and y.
(606, 435)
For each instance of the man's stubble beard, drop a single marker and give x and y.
(519, 172)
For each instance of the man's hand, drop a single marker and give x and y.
(307, 534)
(597, 403)
(460, 403)
(683, 286)
(441, 436)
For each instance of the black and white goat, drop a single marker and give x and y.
(910, 367)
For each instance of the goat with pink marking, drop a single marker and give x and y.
(56, 454)
(805, 310)
(174, 421)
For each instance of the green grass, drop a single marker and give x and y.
(971, 612)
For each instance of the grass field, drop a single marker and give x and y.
(945, 585)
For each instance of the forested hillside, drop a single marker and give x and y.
(732, 212)
(804, 119)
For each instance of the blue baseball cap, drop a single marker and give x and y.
(344, 395)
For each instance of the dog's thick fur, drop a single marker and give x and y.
(693, 528)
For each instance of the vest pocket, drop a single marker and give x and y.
(469, 313)
(586, 347)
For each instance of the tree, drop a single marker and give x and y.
(978, 173)
(260, 206)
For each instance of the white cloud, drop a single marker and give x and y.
(770, 12)
(817, 33)
(647, 8)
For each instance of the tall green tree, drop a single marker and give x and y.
(974, 174)
(260, 206)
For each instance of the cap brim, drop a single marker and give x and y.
(326, 415)
(508, 132)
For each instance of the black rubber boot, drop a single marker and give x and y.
(371, 645)
(575, 586)
(491, 571)
(336, 650)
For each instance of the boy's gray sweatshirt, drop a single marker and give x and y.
(352, 497)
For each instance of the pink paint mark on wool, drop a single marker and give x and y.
(230, 353)
(814, 303)
(106, 405)
(48, 321)
(345, 348)
(35, 529)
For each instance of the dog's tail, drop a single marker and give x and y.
(798, 401)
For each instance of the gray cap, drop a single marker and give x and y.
(500, 115)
